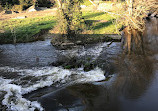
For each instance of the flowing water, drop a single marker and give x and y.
(29, 82)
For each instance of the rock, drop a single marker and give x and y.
(58, 63)
(79, 42)
(7, 12)
(34, 8)
(31, 9)
(67, 45)
(61, 99)
(20, 17)
(15, 11)
(89, 66)
(154, 14)
(42, 8)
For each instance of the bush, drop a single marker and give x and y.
(17, 8)
(70, 18)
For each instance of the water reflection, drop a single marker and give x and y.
(133, 88)
(135, 85)
(133, 80)
(135, 74)
(151, 35)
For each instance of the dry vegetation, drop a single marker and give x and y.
(133, 17)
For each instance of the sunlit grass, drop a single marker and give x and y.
(25, 29)
(101, 22)
(86, 2)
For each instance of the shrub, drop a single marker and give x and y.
(17, 8)
(70, 18)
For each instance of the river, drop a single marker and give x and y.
(29, 82)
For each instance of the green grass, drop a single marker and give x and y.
(25, 30)
(28, 29)
(88, 15)
(86, 2)
(100, 22)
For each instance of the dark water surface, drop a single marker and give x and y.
(133, 88)
(39, 53)
(133, 85)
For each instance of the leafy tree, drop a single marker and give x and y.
(43, 3)
(26, 3)
(70, 17)
(7, 4)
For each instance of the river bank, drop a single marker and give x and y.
(25, 72)
(98, 25)
(29, 81)
(133, 86)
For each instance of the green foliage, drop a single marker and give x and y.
(86, 2)
(70, 17)
(24, 4)
(45, 3)
(17, 8)
(26, 29)
(7, 4)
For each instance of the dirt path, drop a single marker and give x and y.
(29, 14)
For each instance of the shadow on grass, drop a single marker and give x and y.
(81, 39)
(93, 15)
(28, 33)
(102, 25)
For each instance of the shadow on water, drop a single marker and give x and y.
(133, 88)
(124, 92)
(132, 82)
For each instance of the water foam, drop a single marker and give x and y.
(13, 98)
(93, 51)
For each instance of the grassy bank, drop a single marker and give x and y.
(100, 22)
(25, 30)
(31, 29)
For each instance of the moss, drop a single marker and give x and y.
(68, 66)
